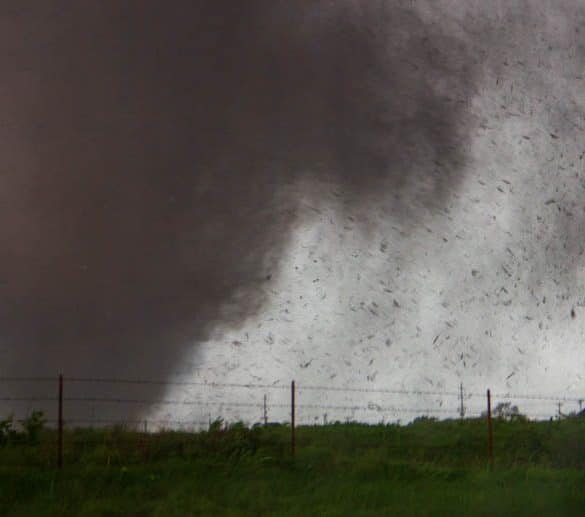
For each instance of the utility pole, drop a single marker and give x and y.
(265, 412)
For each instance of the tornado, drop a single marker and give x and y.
(153, 158)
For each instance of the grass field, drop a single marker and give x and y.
(425, 468)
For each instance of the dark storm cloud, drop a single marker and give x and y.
(150, 154)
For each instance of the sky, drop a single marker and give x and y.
(381, 194)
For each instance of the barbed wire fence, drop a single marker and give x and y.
(257, 403)
(66, 403)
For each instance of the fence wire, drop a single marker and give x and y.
(468, 404)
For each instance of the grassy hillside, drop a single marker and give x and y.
(426, 468)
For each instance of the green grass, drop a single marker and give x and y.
(426, 468)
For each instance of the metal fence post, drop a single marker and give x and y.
(461, 406)
(60, 425)
(490, 430)
(292, 418)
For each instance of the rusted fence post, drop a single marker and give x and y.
(461, 406)
(292, 418)
(60, 425)
(490, 430)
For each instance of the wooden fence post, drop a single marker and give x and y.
(60, 425)
(490, 430)
(292, 418)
